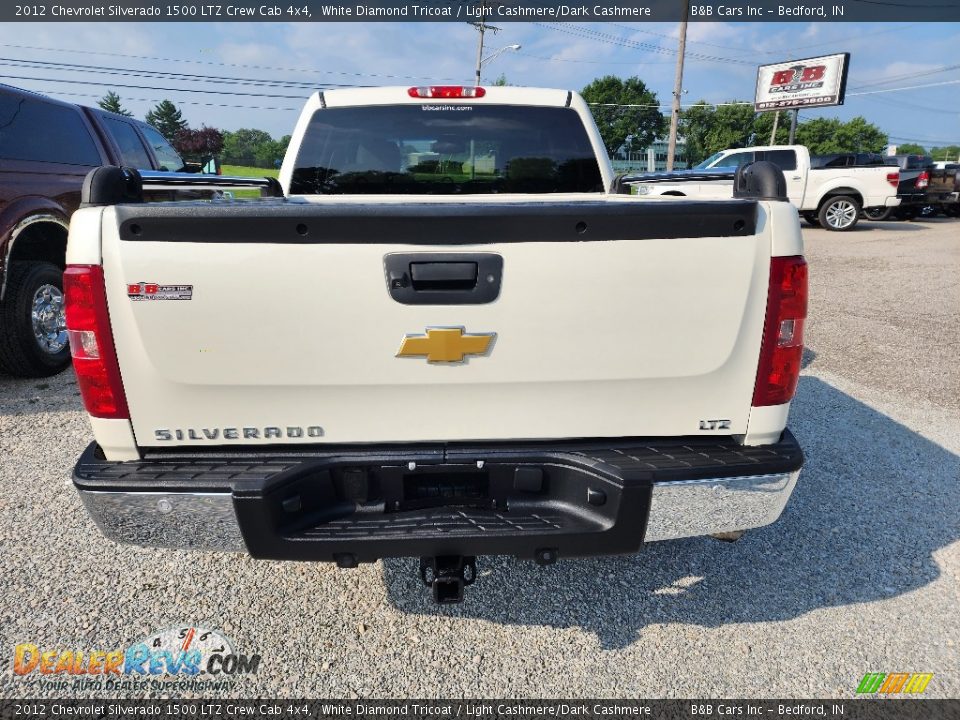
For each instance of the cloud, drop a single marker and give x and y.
(246, 53)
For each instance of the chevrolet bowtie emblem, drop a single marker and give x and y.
(445, 345)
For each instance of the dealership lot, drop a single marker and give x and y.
(862, 574)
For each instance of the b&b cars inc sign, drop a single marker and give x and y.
(813, 82)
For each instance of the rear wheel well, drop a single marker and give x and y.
(41, 241)
(849, 192)
(675, 193)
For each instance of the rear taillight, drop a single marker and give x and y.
(782, 348)
(923, 180)
(893, 178)
(447, 91)
(91, 342)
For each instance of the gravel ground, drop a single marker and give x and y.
(860, 574)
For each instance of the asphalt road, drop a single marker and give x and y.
(861, 574)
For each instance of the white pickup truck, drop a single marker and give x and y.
(830, 197)
(450, 338)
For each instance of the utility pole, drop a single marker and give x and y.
(482, 27)
(773, 135)
(677, 88)
(793, 126)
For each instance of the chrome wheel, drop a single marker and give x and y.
(841, 214)
(49, 320)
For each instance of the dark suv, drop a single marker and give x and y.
(46, 149)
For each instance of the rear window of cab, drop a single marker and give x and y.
(444, 148)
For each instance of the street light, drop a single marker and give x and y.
(493, 55)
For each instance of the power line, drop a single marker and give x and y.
(151, 87)
(923, 140)
(611, 39)
(294, 84)
(751, 51)
(619, 40)
(180, 102)
(594, 62)
(910, 76)
(909, 87)
(219, 64)
(161, 74)
(750, 102)
(912, 106)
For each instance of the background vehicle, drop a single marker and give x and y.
(911, 189)
(47, 147)
(923, 190)
(488, 350)
(829, 195)
(943, 191)
(835, 160)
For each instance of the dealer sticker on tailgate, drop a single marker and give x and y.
(153, 291)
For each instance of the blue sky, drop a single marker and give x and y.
(721, 63)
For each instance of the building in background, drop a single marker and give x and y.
(653, 159)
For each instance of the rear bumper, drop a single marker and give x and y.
(353, 505)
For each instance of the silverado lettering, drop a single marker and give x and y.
(238, 433)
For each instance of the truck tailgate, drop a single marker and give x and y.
(275, 323)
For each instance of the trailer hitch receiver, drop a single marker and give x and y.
(447, 575)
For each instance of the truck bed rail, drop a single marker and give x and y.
(110, 185)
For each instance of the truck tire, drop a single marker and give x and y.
(839, 213)
(33, 333)
(877, 213)
(811, 218)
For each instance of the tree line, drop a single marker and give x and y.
(629, 118)
(247, 146)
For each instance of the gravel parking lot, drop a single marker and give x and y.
(862, 574)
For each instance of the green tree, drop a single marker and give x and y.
(501, 81)
(831, 135)
(249, 146)
(627, 113)
(694, 126)
(911, 149)
(111, 103)
(949, 153)
(710, 128)
(763, 126)
(167, 118)
(858, 135)
(268, 154)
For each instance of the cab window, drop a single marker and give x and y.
(783, 159)
(735, 160)
(31, 129)
(445, 149)
(132, 152)
(167, 157)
